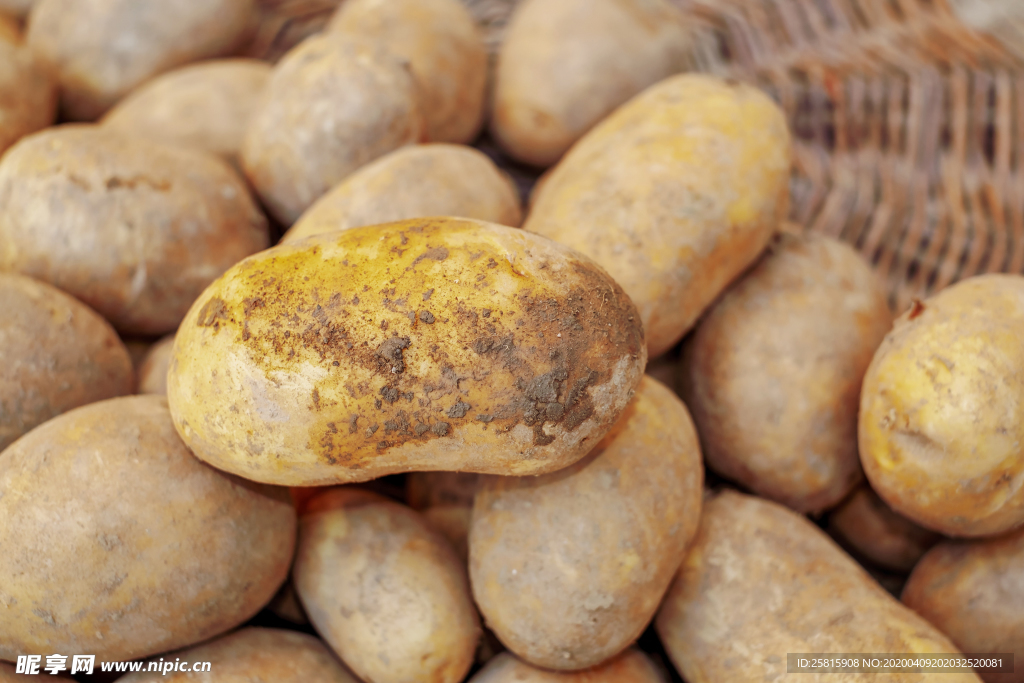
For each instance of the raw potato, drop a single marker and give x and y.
(568, 569)
(433, 344)
(28, 95)
(452, 522)
(772, 373)
(444, 49)
(632, 666)
(428, 489)
(974, 592)
(10, 32)
(415, 182)
(286, 605)
(333, 104)
(565, 65)
(152, 549)
(942, 410)
(675, 194)
(153, 371)
(57, 353)
(103, 49)
(384, 590)
(134, 229)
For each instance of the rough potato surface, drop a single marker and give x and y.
(632, 666)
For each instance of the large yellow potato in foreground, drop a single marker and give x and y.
(28, 94)
(433, 344)
(632, 666)
(942, 410)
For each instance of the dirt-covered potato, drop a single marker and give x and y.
(566, 64)
(102, 49)
(675, 194)
(414, 182)
(385, 590)
(772, 373)
(134, 229)
(152, 376)
(28, 94)
(57, 354)
(427, 489)
(206, 106)
(941, 429)
(632, 666)
(151, 549)
(761, 581)
(333, 104)
(434, 344)
(444, 49)
(569, 568)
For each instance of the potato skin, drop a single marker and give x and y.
(434, 344)
(940, 426)
(414, 182)
(760, 581)
(134, 229)
(444, 49)
(698, 184)
(333, 104)
(385, 590)
(152, 549)
(153, 370)
(621, 519)
(28, 94)
(632, 666)
(973, 591)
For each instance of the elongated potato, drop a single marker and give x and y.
(569, 568)
(153, 370)
(28, 94)
(333, 104)
(427, 489)
(444, 49)
(152, 549)
(57, 353)
(433, 344)
(134, 229)
(414, 182)
(698, 184)
(941, 430)
(761, 581)
(385, 590)
(632, 666)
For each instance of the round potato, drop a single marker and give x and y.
(435, 344)
(58, 354)
(761, 581)
(152, 549)
(333, 104)
(385, 590)
(942, 410)
(772, 373)
(134, 229)
(414, 182)
(153, 370)
(568, 569)
(102, 49)
(429, 489)
(444, 49)
(28, 95)
(632, 666)
(699, 182)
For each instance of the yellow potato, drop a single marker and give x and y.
(414, 182)
(433, 344)
(28, 94)
(632, 666)
(428, 489)
(675, 194)
(153, 370)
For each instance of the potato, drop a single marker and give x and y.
(675, 194)
(17, 8)
(566, 64)
(973, 591)
(761, 581)
(452, 522)
(432, 344)
(385, 590)
(333, 104)
(102, 49)
(151, 549)
(941, 430)
(206, 106)
(153, 371)
(286, 605)
(10, 32)
(428, 489)
(28, 94)
(414, 182)
(568, 569)
(444, 49)
(134, 229)
(632, 666)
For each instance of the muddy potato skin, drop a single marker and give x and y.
(414, 182)
(166, 550)
(761, 580)
(620, 520)
(333, 103)
(153, 370)
(941, 428)
(444, 49)
(28, 94)
(699, 183)
(134, 229)
(435, 344)
(632, 666)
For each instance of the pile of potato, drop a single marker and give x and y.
(434, 434)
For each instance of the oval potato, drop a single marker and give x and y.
(28, 95)
(632, 666)
(153, 370)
